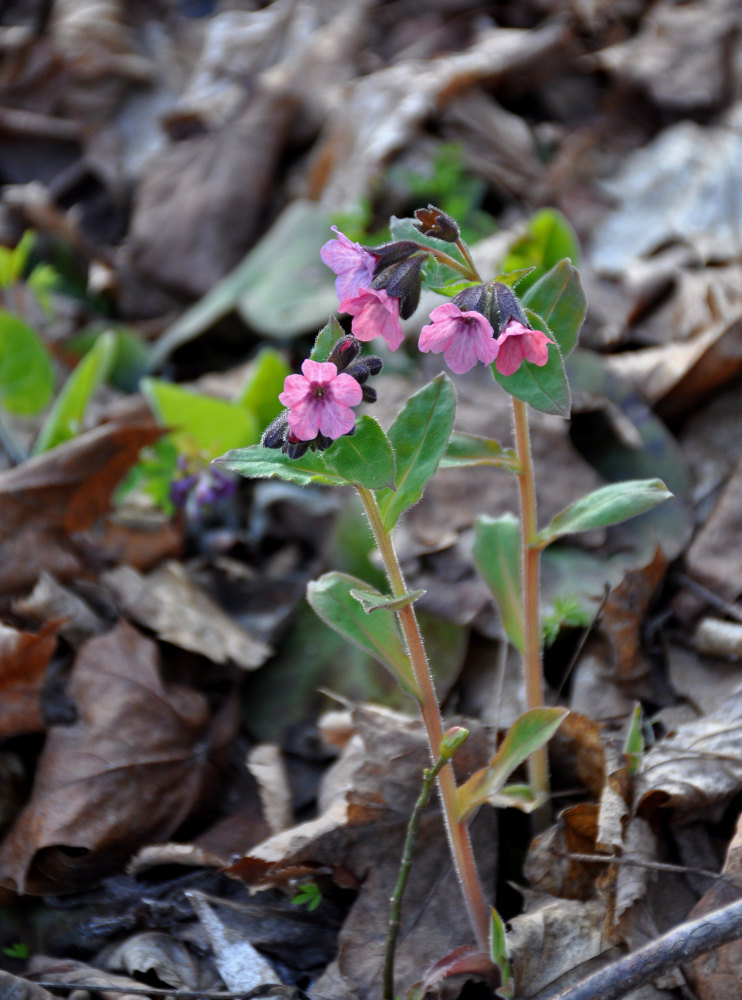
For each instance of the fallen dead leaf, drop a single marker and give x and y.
(24, 657)
(179, 611)
(50, 600)
(127, 772)
(715, 555)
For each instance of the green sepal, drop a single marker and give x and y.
(371, 601)
(419, 437)
(606, 506)
(364, 458)
(258, 462)
(332, 600)
(527, 734)
(471, 449)
(497, 556)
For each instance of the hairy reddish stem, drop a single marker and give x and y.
(458, 831)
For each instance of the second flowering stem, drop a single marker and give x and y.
(457, 830)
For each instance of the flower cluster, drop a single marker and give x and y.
(319, 400)
(200, 487)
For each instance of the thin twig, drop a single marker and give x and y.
(395, 909)
(683, 943)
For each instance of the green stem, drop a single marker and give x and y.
(538, 762)
(458, 832)
(395, 909)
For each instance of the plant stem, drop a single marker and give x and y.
(395, 909)
(538, 762)
(458, 832)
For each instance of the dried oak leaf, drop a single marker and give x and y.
(53, 495)
(127, 773)
(23, 660)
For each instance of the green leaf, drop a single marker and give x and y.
(497, 556)
(257, 462)
(549, 238)
(326, 339)
(67, 415)
(500, 955)
(370, 600)
(633, 746)
(559, 300)
(13, 262)
(42, 280)
(527, 734)
(364, 458)
(259, 393)
(203, 426)
(26, 377)
(376, 632)
(419, 437)
(471, 449)
(609, 505)
(545, 388)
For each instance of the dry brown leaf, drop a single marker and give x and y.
(23, 660)
(715, 555)
(623, 614)
(50, 600)
(13, 988)
(53, 495)
(716, 974)
(697, 769)
(127, 772)
(265, 763)
(155, 953)
(551, 870)
(68, 972)
(179, 611)
(367, 801)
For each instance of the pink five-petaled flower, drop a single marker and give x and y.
(375, 313)
(517, 343)
(320, 400)
(353, 265)
(463, 336)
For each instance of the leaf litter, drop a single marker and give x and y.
(137, 139)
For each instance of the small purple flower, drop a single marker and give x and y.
(463, 337)
(320, 400)
(200, 488)
(375, 313)
(518, 343)
(353, 265)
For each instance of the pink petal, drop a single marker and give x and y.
(510, 355)
(336, 419)
(295, 389)
(346, 390)
(375, 314)
(353, 265)
(304, 419)
(535, 347)
(319, 371)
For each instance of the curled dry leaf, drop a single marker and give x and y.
(23, 660)
(127, 772)
(156, 953)
(697, 769)
(715, 557)
(50, 599)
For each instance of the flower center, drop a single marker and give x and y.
(318, 390)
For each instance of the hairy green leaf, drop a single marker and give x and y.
(257, 462)
(497, 556)
(365, 458)
(609, 505)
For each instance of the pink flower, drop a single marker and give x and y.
(353, 265)
(517, 343)
(320, 401)
(463, 337)
(375, 313)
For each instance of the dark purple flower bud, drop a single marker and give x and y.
(392, 253)
(505, 307)
(431, 221)
(293, 447)
(181, 488)
(369, 394)
(275, 433)
(363, 368)
(402, 281)
(477, 298)
(344, 352)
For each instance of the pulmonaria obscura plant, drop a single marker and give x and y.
(319, 438)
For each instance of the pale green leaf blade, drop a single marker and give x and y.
(376, 632)
(370, 600)
(606, 506)
(364, 458)
(419, 437)
(497, 556)
(26, 377)
(257, 462)
(66, 417)
(527, 734)
(472, 449)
